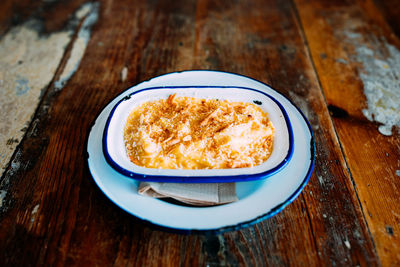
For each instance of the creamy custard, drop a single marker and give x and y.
(194, 133)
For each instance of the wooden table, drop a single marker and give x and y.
(62, 61)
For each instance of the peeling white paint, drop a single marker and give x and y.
(398, 172)
(380, 74)
(35, 209)
(27, 66)
(83, 11)
(91, 12)
(2, 196)
(28, 63)
(124, 74)
(353, 35)
(342, 60)
(33, 213)
(347, 244)
(320, 179)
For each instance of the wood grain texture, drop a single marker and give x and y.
(390, 10)
(372, 157)
(280, 59)
(53, 203)
(30, 59)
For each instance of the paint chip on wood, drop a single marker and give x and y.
(90, 12)
(33, 213)
(320, 179)
(380, 75)
(124, 74)
(27, 66)
(84, 10)
(2, 196)
(342, 60)
(28, 63)
(35, 209)
(347, 244)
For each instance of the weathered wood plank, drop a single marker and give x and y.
(350, 47)
(30, 59)
(54, 204)
(271, 41)
(279, 58)
(48, 213)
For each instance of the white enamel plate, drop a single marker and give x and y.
(258, 200)
(114, 145)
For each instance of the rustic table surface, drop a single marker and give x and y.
(61, 62)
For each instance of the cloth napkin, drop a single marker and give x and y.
(195, 194)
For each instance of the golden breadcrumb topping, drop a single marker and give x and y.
(194, 133)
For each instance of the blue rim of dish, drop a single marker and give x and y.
(278, 208)
(197, 179)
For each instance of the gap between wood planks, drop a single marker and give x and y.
(298, 19)
(87, 16)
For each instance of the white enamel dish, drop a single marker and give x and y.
(258, 199)
(116, 156)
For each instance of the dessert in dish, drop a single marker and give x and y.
(198, 133)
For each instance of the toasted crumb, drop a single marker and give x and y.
(194, 133)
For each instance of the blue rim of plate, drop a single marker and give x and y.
(197, 179)
(278, 208)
